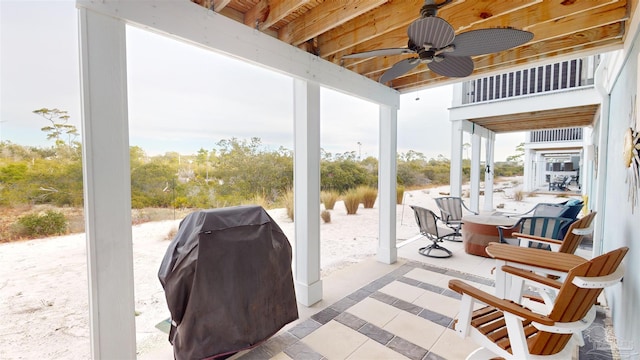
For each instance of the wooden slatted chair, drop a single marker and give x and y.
(569, 245)
(540, 226)
(506, 329)
(572, 239)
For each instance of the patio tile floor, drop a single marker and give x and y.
(377, 311)
(391, 312)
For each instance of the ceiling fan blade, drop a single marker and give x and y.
(486, 41)
(380, 52)
(398, 69)
(452, 66)
(431, 30)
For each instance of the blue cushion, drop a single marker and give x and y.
(571, 202)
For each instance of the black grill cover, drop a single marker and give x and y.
(228, 282)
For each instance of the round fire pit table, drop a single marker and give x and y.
(479, 230)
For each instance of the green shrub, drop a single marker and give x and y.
(329, 198)
(367, 195)
(50, 223)
(351, 201)
(399, 194)
(326, 216)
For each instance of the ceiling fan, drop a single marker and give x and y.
(435, 43)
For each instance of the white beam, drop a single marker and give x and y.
(107, 186)
(476, 145)
(455, 171)
(189, 22)
(306, 181)
(488, 173)
(545, 101)
(387, 250)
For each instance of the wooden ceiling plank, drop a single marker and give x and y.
(324, 17)
(269, 12)
(469, 13)
(548, 10)
(394, 15)
(585, 20)
(220, 4)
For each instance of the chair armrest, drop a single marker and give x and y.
(535, 238)
(501, 304)
(469, 210)
(507, 227)
(583, 231)
(531, 276)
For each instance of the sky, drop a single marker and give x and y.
(183, 98)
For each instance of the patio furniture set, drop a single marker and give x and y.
(533, 251)
(476, 230)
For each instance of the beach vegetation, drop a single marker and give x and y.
(399, 194)
(232, 172)
(325, 215)
(367, 196)
(288, 203)
(329, 198)
(351, 201)
(34, 225)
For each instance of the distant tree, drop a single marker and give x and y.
(519, 155)
(245, 169)
(152, 184)
(59, 127)
(411, 155)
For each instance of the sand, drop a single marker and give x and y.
(43, 283)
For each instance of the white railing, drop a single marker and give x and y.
(553, 77)
(568, 134)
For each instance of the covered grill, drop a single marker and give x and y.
(228, 282)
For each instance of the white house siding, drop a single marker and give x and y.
(621, 224)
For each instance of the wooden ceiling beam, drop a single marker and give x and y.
(549, 10)
(323, 18)
(585, 20)
(220, 4)
(470, 13)
(394, 15)
(267, 13)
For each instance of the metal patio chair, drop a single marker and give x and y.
(451, 212)
(427, 221)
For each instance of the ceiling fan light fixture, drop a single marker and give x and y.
(435, 43)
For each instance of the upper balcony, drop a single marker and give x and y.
(556, 135)
(553, 96)
(560, 76)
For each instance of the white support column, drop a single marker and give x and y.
(306, 185)
(530, 174)
(455, 177)
(474, 201)
(107, 186)
(387, 250)
(488, 173)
